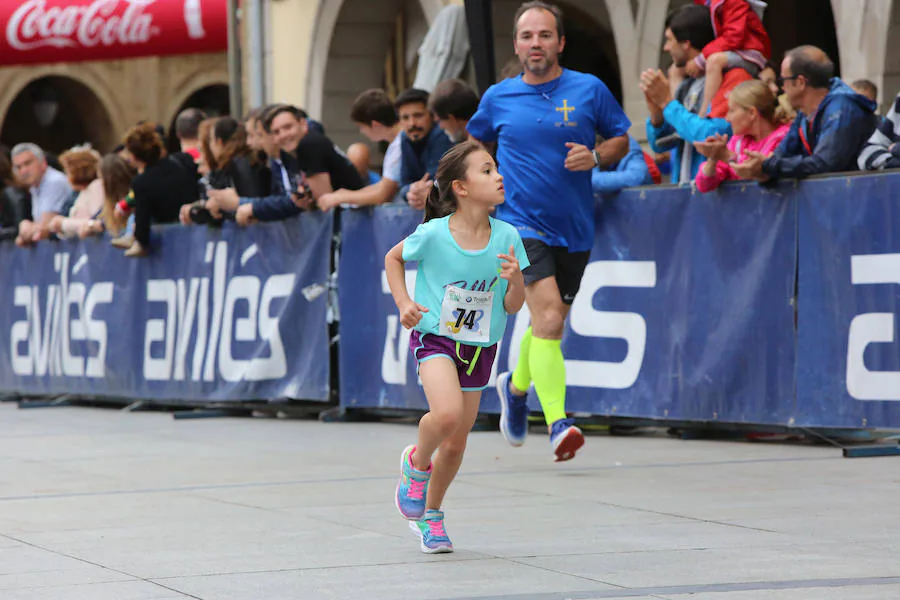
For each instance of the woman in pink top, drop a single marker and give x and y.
(759, 123)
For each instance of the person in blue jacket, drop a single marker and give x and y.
(832, 126)
(631, 171)
(422, 144)
(674, 125)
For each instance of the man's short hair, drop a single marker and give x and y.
(691, 24)
(550, 8)
(187, 123)
(813, 64)
(454, 98)
(298, 113)
(411, 96)
(29, 147)
(866, 86)
(374, 105)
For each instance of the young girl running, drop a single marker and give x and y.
(469, 279)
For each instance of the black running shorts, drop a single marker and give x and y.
(555, 261)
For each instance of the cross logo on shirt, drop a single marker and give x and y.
(565, 109)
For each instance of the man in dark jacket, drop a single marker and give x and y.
(422, 144)
(833, 122)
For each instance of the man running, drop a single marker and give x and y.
(545, 123)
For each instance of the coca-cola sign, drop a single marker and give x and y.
(49, 31)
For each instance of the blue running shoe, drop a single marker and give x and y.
(566, 439)
(413, 487)
(513, 412)
(430, 530)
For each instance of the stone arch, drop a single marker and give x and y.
(82, 81)
(78, 115)
(347, 55)
(190, 85)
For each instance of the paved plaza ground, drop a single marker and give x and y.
(100, 504)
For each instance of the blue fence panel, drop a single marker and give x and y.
(685, 310)
(849, 356)
(212, 315)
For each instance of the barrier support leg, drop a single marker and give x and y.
(869, 451)
(45, 403)
(210, 413)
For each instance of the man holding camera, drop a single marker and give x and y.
(310, 167)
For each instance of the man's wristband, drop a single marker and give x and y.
(596, 156)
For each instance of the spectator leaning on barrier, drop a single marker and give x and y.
(674, 124)
(759, 125)
(82, 166)
(116, 175)
(882, 151)
(453, 102)
(831, 128)
(237, 167)
(375, 115)
(48, 187)
(162, 186)
(422, 143)
(15, 202)
(187, 125)
(314, 164)
(636, 168)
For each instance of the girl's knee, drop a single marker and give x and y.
(454, 447)
(447, 421)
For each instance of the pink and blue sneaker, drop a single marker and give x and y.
(412, 488)
(430, 531)
(565, 439)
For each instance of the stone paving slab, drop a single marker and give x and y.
(99, 504)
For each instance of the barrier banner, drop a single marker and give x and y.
(227, 314)
(849, 352)
(685, 310)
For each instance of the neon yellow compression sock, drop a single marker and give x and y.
(548, 371)
(521, 377)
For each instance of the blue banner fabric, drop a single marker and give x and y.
(849, 352)
(685, 310)
(212, 314)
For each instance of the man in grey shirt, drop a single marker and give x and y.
(49, 191)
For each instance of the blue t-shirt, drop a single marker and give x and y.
(442, 262)
(531, 124)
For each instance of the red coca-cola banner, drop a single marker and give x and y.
(50, 31)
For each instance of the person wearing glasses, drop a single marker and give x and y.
(832, 126)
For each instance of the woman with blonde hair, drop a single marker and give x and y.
(81, 165)
(759, 122)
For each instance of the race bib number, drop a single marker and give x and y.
(466, 315)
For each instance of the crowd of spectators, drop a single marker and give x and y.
(721, 112)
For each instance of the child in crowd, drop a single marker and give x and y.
(469, 279)
(741, 42)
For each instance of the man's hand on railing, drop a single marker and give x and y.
(244, 215)
(222, 200)
(418, 192)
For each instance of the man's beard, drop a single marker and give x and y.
(540, 68)
(415, 134)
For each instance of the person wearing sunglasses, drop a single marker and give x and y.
(832, 125)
